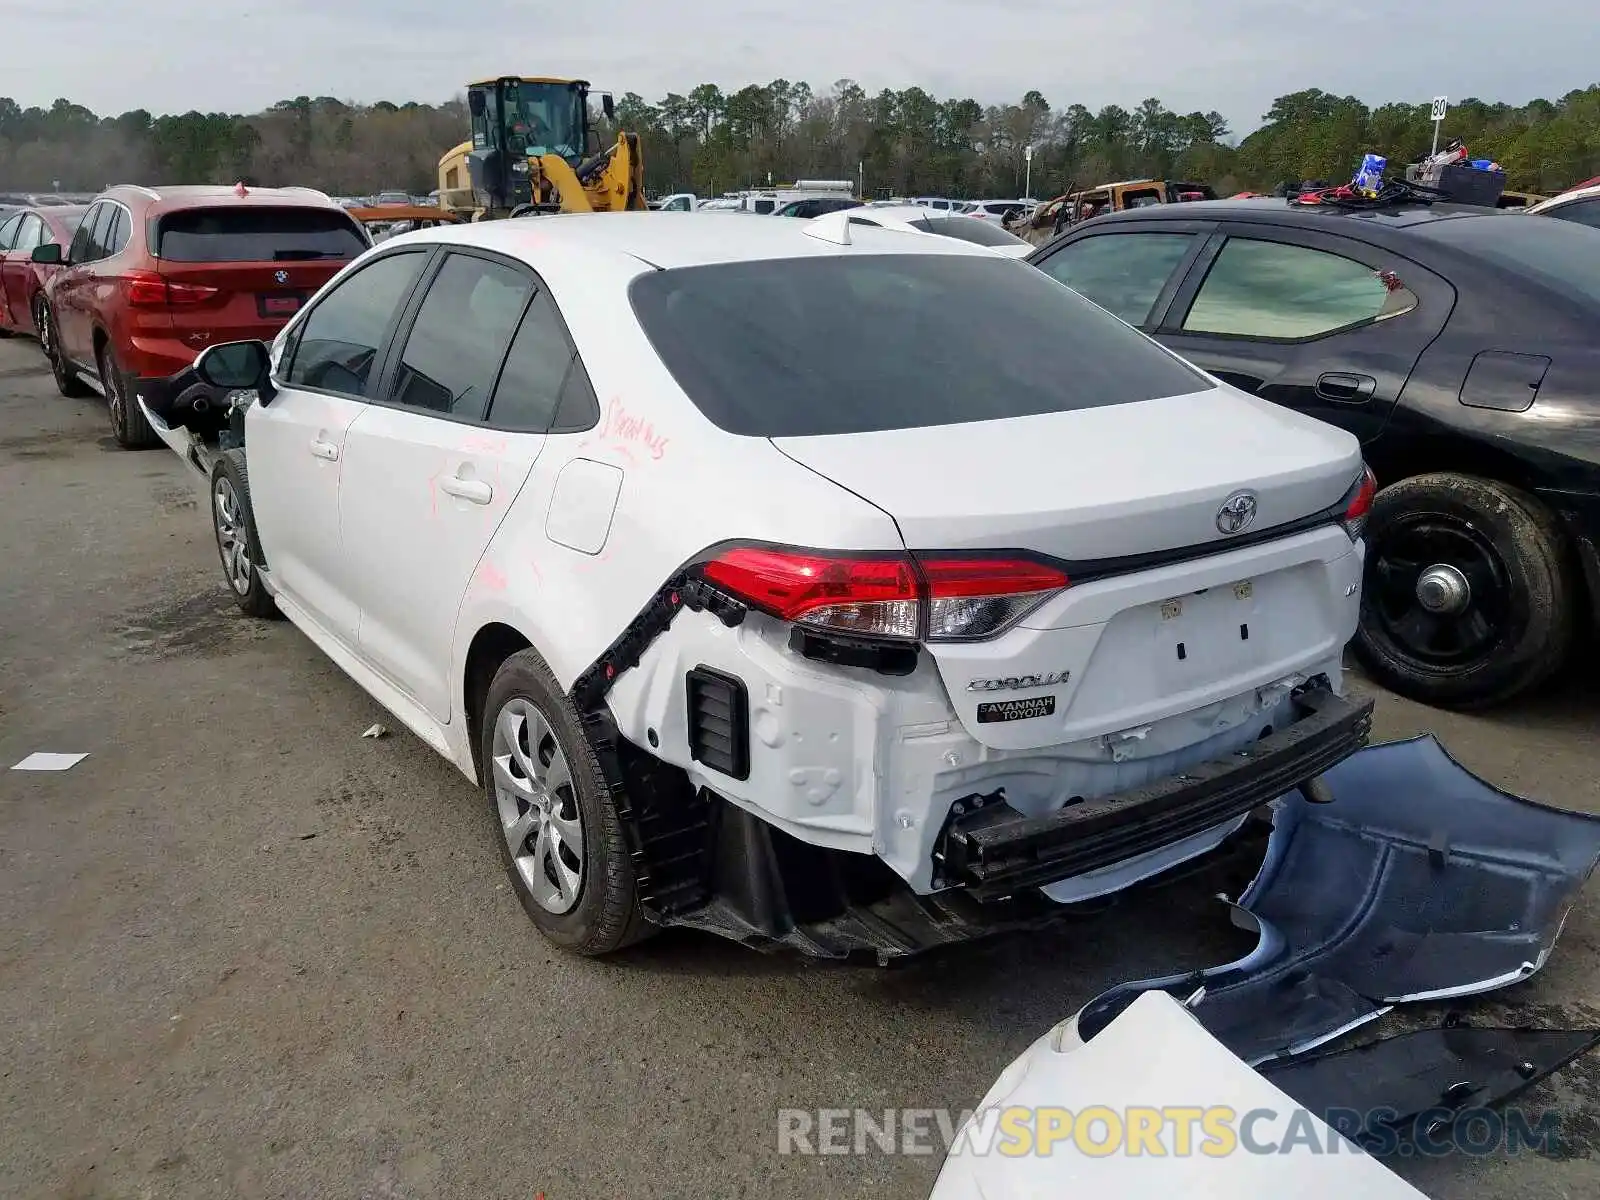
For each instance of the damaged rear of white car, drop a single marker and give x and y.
(1098, 620)
(856, 592)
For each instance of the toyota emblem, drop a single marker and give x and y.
(282, 277)
(1236, 513)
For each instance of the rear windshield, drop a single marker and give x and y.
(211, 235)
(1559, 254)
(968, 229)
(851, 343)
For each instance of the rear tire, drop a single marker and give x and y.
(1469, 596)
(67, 381)
(233, 521)
(128, 424)
(545, 792)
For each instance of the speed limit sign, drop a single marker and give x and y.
(1441, 105)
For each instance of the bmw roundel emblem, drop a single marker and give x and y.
(282, 277)
(1236, 513)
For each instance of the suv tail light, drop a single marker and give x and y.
(1358, 503)
(933, 598)
(146, 289)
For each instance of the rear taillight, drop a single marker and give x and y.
(146, 289)
(1358, 503)
(933, 598)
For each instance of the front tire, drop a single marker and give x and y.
(67, 381)
(560, 836)
(233, 522)
(1468, 599)
(128, 423)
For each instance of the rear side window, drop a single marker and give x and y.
(536, 371)
(207, 235)
(460, 336)
(855, 343)
(1273, 290)
(1121, 272)
(967, 229)
(336, 345)
(117, 233)
(1560, 254)
(8, 232)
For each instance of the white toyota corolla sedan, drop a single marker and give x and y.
(819, 585)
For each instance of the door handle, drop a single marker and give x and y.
(474, 491)
(324, 450)
(1345, 388)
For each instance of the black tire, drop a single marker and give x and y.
(233, 522)
(67, 381)
(606, 915)
(128, 423)
(1516, 626)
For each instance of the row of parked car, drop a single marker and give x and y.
(1453, 342)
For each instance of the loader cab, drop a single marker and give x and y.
(515, 118)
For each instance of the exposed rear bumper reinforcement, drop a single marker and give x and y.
(994, 850)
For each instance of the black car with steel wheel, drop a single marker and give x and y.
(1459, 344)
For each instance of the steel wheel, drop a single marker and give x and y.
(537, 805)
(1439, 591)
(233, 536)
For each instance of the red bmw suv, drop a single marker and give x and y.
(154, 276)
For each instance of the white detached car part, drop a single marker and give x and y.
(810, 583)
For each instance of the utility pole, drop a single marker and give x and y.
(861, 178)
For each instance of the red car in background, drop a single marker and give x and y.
(154, 276)
(21, 279)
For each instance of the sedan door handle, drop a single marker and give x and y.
(473, 490)
(1344, 388)
(325, 450)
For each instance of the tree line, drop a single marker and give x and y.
(709, 140)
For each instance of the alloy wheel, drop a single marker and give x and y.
(1439, 592)
(233, 536)
(538, 806)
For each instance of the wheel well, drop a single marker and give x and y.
(491, 646)
(1455, 456)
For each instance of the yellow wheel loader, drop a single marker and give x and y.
(534, 149)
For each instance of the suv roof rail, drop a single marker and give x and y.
(137, 187)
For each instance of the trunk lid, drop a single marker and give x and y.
(1097, 483)
(1166, 651)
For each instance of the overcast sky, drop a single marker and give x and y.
(1230, 55)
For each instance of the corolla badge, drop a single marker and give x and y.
(1236, 513)
(282, 277)
(1015, 682)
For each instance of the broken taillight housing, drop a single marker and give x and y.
(932, 597)
(1358, 504)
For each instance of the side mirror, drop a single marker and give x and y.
(49, 254)
(236, 366)
(608, 106)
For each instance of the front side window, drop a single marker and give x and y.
(30, 235)
(912, 341)
(337, 343)
(1121, 272)
(1273, 290)
(460, 336)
